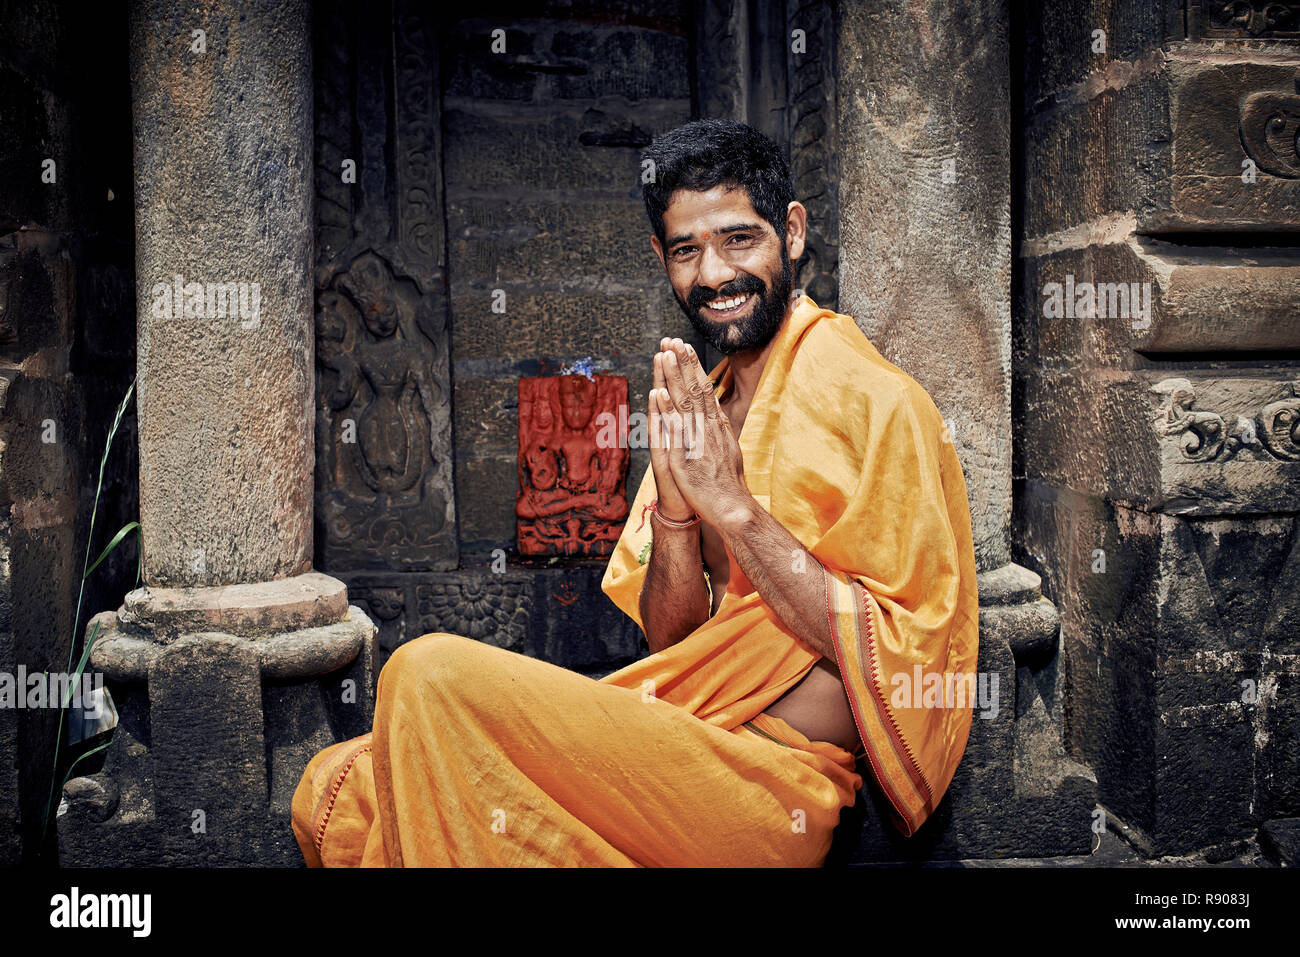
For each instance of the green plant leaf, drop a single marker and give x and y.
(95, 750)
(81, 670)
(121, 534)
(94, 513)
(87, 568)
(68, 774)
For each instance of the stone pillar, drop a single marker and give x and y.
(235, 662)
(925, 269)
(223, 173)
(925, 266)
(1159, 454)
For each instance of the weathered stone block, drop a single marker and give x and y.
(541, 243)
(618, 326)
(486, 421)
(1210, 446)
(487, 520)
(1226, 114)
(576, 625)
(36, 125)
(1203, 299)
(1165, 632)
(1043, 340)
(34, 315)
(1111, 715)
(591, 151)
(1067, 146)
(1063, 50)
(1278, 764)
(1204, 783)
(205, 701)
(1186, 124)
(476, 70)
(1280, 840)
(625, 61)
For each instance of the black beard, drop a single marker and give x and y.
(753, 331)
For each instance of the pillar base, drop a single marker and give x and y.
(1025, 797)
(1016, 793)
(216, 726)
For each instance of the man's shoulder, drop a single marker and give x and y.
(836, 358)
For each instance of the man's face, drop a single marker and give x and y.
(729, 270)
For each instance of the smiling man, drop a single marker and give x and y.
(808, 543)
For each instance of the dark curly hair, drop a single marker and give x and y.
(705, 153)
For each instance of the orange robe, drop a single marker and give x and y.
(484, 757)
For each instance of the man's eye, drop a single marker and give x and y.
(743, 237)
(682, 250)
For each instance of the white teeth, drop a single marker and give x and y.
(723, 304)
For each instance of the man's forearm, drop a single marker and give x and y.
(782, 571)
(674, 599)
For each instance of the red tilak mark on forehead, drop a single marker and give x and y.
(705, 235)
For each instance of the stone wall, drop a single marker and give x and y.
(504, 218)
(544, 214)
(1156, 455)
(67, 354)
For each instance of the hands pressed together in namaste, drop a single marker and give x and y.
(697, 463)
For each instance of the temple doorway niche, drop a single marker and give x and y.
(479, 223)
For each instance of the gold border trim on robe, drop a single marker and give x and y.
(325, 806)
(849, 611)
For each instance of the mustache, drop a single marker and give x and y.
(701, 295)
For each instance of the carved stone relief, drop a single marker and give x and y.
(1206, 436)
(1243, 18)
(571, 470)
(376, 340)
(1270, 130)
(384, 491)
(485, 608)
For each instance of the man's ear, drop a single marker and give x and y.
(659, 250)
(796, 229)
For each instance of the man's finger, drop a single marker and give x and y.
(669, 432)
(692, 434)
(678, 390)
(676, 441)
(655, 420)
(684, 433)
(701, 435)
(697, 380)
(701, 389)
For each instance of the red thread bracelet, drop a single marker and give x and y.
(670, 522)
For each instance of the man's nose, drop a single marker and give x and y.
(715, 271)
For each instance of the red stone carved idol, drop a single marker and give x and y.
(571, 487)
